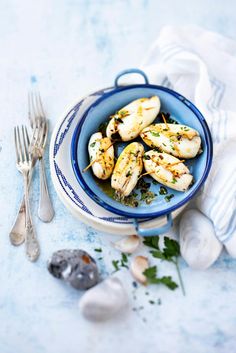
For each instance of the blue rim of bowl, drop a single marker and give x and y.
(97, 199)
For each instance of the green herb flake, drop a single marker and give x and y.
(93, 144)
(163, 190)
(155, 133)
(174, 181)
(169, 197)
(115, 263)
(151, 302)
(146, 157)
(124, 260)
(98, 249)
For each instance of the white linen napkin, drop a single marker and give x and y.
(201, 65)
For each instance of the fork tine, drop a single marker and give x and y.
(27, 138)
(45, 133)
(25, 150)
(19, 144)
(40, 105)
(42, 130)
(16, 146)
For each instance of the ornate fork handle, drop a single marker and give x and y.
(45, 210)
(31, 242)
(17, 234)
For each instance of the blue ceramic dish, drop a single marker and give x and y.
(180, 109)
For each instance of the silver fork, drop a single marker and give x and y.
(39, 124)
(24, 165)
(46, 212)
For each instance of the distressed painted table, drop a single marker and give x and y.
(72, 47)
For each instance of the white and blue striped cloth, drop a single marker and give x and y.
(201, 65)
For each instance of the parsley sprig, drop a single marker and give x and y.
(170, 253)
(151, 275)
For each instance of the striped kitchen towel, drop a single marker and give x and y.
(201, 65)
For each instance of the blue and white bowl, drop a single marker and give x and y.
(181, 109)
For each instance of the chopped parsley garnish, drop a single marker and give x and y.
(129, 173)
(124, 260)
(146, 157)
(93, 144)
(174, 181)
(155, 133)
(147, 196)
(163, 190)
(169, 197)
(115, 263)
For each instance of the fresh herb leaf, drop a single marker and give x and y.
(152, 242)
(146, 157)
(124, 260)
(168, 282)
(98, 249)
(172, 247)
(169, 197)
(163, 190)
(151, 275)
(155, 133)
(158, 254)
(115, 263)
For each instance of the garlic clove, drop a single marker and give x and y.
(128, 244)
(137, 267)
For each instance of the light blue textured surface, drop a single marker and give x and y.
(72, 47)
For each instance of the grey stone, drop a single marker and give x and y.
(74, 266)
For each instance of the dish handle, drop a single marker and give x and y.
(154, 231)
(130, 71)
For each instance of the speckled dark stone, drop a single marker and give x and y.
(76, 267)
